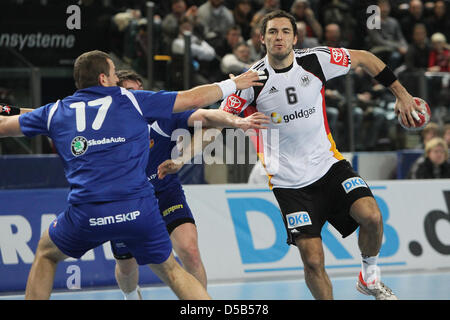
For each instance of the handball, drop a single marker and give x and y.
(423, 117)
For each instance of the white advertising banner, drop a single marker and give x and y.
(242, 236)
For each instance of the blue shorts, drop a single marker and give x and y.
(136, 223)
(174, 211)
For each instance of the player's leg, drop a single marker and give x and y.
(42, 273)
(150, 244)
(185, 243)
(317, 280)
(127, 277)
(126, 271)
(182, 283)
(357, 207)
(367, 214)
(303, 211)
(181, 226)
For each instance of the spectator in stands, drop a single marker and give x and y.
(343, 14)
(430, 131)
(255, 45)
(415, 15)
(269, 6)
(419, 50)
(232, 38)
(170, 23)
(439, 59)
(238, 61)
(242, 14)
(434, 164)
(216, 19)
(439, 21)
(446, 134)
(200, 51)
(388, 42)
(337, 111)
(373, 99)
(303, 41)
(332, 36)
(302, 12)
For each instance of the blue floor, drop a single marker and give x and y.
(412, 286)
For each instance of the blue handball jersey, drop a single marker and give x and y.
(101, 134)
(162, 142)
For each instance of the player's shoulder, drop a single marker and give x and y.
(312, 51)
(259, 65)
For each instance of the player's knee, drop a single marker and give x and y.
(367, 213)
(189, 253)
(126, 267)
(313, 263)
(373, 220)
(47, 250)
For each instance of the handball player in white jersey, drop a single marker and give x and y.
(310, 179)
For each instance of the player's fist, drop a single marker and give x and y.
(168, 167)
(7, 110)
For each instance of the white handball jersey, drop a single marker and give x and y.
(297, 149)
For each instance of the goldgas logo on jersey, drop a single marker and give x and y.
(276, 117)
(234, 104)
(339, 57)
(79, 146)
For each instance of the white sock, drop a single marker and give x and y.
(370, 270)
(133, 295)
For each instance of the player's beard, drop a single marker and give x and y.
(280, 56)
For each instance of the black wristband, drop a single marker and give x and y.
(386, 77)
(6, 110)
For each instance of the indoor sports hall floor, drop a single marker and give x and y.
(408, 286)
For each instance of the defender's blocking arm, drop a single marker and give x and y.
(208, 94)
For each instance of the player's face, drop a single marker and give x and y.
(279, 38)
(132, 85)
(437, 155)
(111, 80)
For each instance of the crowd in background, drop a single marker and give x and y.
(411, 37)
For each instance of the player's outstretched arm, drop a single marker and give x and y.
(221, 119)
(196, 145)
(10, 126)
(405, 105)
(206, 95)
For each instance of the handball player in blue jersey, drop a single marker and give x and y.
(168, 190)
(101, 134)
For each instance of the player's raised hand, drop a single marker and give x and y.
(249, 79)
(254, 121)
(169, 167)
(407, 108)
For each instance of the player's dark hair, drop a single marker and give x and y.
(277, 14)
(125, 75)
(88, 67)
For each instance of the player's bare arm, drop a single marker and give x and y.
(405, 105)
(210, 118)
(221, 119)
(10, 127)
(206, 95)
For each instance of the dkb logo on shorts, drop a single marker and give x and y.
(298, 219)
(353, 183)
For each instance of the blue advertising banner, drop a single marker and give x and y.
(24, 216)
